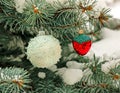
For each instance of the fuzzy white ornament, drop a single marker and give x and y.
(41, 75)
(44, 51)
(72, 76)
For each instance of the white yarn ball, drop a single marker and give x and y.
(44, 51)
(72, 76)
(41, 75)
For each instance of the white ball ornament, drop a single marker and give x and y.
(72, 76)
(41, 75)
(44, 51)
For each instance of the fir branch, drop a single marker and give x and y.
(45, 87)
(67, 26)
(65, 89)
(51, 17)
(10, 43)
(16, 78)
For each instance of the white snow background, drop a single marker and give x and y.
(109, 46)
(115, 9)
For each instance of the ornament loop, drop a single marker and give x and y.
(81, 31)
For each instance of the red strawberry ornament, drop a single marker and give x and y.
(82, 44)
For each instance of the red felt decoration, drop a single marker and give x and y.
(82, 43)
(82, 48)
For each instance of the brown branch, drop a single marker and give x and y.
(3, 82)
(18, 82)
(1, 10)
(87, 8)
(114, 75)
(102, 18)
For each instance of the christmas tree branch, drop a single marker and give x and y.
(14, 79)
(40, 14)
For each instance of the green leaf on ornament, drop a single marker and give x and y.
(82, 38)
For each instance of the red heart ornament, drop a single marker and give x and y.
(82, 44)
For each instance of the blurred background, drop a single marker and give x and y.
(114, 5)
